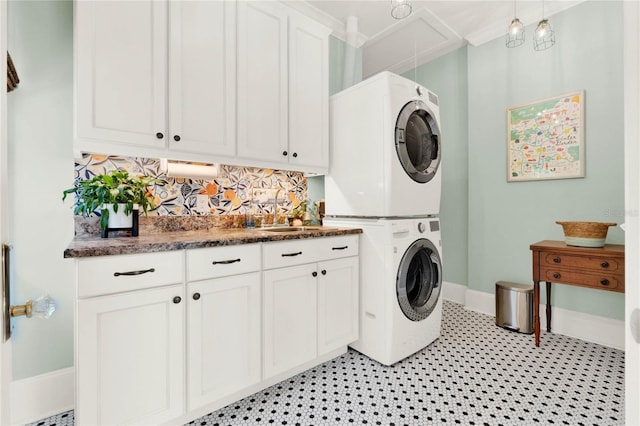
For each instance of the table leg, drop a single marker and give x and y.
(548, 306)
(536, 311)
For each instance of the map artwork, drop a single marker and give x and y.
(545, 139)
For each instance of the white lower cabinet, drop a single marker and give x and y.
(130, 357)
(165, 337)
(310, 309)
(223, 334)
(289, 318)
(337, 303)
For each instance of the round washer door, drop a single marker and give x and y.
(418, 141)
(419, 280)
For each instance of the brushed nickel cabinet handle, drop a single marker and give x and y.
(129, 273)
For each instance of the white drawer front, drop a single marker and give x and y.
(297, 252)
(115, 274)
(336, 247)
(222, 261)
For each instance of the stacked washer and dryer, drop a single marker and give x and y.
(385, 178)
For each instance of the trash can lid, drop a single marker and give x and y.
(525, 288)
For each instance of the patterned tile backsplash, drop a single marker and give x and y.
(236, 190)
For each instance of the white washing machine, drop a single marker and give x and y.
(385, 150)
(400, 285)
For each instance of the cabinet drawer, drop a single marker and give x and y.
(604, 281)
(222, 261)
(298, 252)
(115, 274)
(592, 263)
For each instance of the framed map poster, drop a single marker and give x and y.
(545, 139)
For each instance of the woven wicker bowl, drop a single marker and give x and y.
(585, 234)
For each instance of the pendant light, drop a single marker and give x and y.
(543, 37)
(515, 32)
(400, 9)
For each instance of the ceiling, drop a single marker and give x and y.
(435, 27)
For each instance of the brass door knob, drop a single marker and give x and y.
(42, 307)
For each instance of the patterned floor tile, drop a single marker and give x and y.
(475, 374)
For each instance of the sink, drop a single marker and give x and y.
(296, 228)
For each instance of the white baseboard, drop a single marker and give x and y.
(479, 301)
(591, 328)
(454, 292)
(37, 397)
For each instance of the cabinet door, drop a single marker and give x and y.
(130, 347)
(338, 286)
(224, 337)
(289, 318)
(202, 74)
(308, 93)
(121, 51)
(262, 81)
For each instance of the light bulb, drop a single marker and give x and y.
(516, 26)
(515, 33)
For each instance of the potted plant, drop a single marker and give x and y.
(116, 194)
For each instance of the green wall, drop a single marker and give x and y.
(505, 218)
(489, 224)
(447, 77)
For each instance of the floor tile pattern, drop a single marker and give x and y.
(475, 374)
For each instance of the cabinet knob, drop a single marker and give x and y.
(556, 275)
(295, 154)
(159, 135)
(285, 153)
(604, 281)
(323, 272)
(177, 299)
(314, 274)
(605, 264)
(196, 296)
(176, 138)
(556, 260)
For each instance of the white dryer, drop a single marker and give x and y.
(385, 150)
(400, 285)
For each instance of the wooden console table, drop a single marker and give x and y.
(554, 261)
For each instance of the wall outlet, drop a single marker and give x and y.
(202, 203)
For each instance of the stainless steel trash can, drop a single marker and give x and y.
(514, 306)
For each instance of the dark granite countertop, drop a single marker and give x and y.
(179, 240)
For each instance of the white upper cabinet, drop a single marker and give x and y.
(308, 93)
(202, 73)
(156, 78)
(262, 81)
(283, 88)
(234, 82)
(121, 73)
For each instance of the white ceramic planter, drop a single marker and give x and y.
(119, 219)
